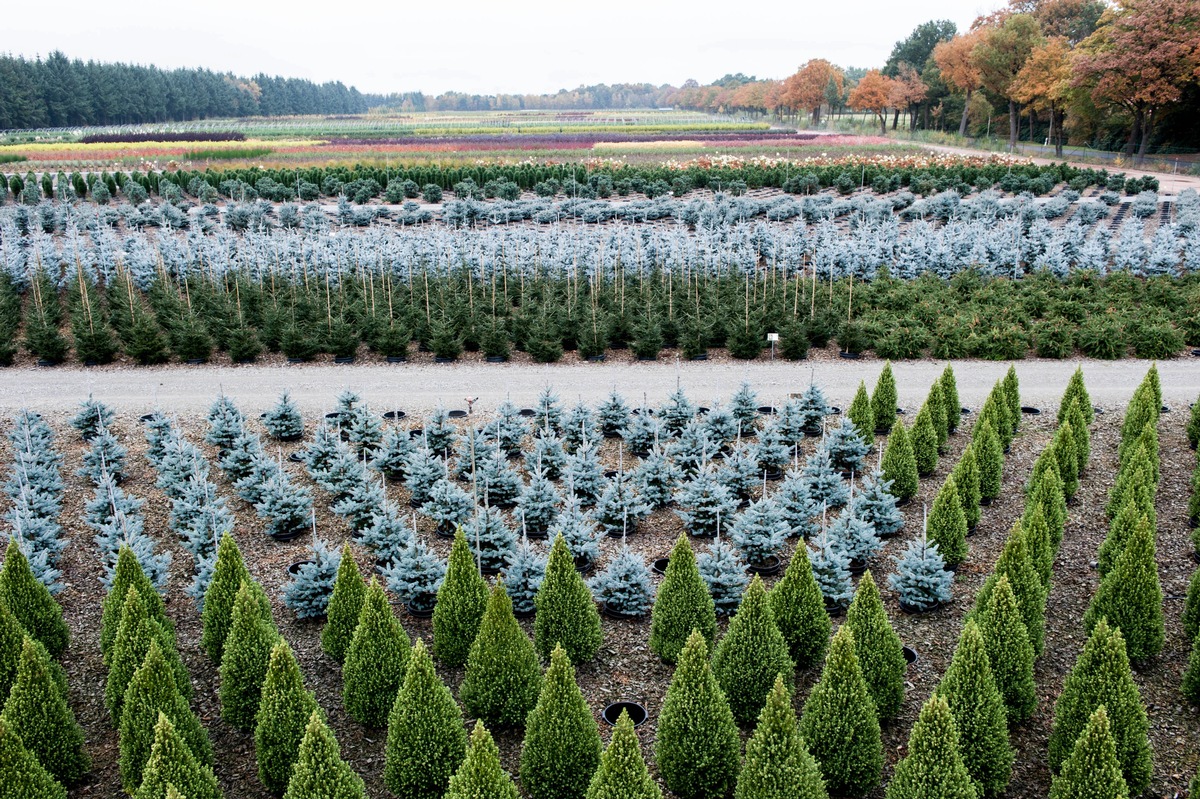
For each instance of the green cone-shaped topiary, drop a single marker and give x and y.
(925, 442)
(320, 772)
(566, 614)
(31, 603)
(345, 605)
(135, 633)
(1191, 675)
(283, 714)
(1015, 564)
(751, 655)
(12, 635)
(948, 524)
(172, 765)
(683, 604)
(562, 744)
(128, 573)
(979, 713)
(883, 400)
(1009, 650)
(966, 479)
(989, 455)
(1092, 771)
(622, 773)
(1076, 394)
(228, 574)
(799, 610)
(840, 725)
(880, 653)
(375, 661)
(1120, 530)
(1037, 541)
(933, 767)
(21, 775)
(697, 745)
(950, 400)
(246, 657)
(1082, 437)
(1012, 397)
(935, 402)
(503, 678)
(1102, 677)
(38, 709)
(862, 414)
(1130, 597)
(899, 463)
(1046, 494)
(426, 742)
(461, 600)
(777, 764)
(480, 774)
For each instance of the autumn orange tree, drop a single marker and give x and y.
(1044, 83)
(873, 93)
(1000, 55)
(908, 91)
(809, 88)
(958, 70)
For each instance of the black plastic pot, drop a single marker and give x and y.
(442, 532)
(1029, 410)
(395, 415)
(416, 432)
(595, 359)
(297, 360)
(91, 363)
(46, 362)
(701, 357)
(584, 565)
(770, 565)
(910, 655)
(774, 474)
(527, 413)
(850, 356)
(524, 614)
(296, 457)
(440, 359)
(834, 608)
(964, 411)
(457, 414)
(343, 359)
(858, 566)
(618, 615)
(985, 501)
(1196, 353)
(612, 713)
(418, 613)
(766, 410)
(701, 410)
(295, 568)
(917, 610)
(1165, 409)
(834, 410)
(659, 566)
(147, 417)
(647, 357)
(334, 416)
(610, 474)
(495, 359)
(292, 536)
(397, 358)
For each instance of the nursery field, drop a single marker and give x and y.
(997, 537)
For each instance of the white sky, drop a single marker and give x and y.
(477, 47)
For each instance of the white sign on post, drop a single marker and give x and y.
(772, 337)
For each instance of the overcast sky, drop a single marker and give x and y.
(477, 47)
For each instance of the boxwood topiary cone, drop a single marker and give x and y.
(320, 772)
(375, 661)
(933, 767)
(862, 414)
(426, 742)
(799, 610)
(622, 773)
(1130, 597)
(461, 600)
(925, 442)
(899, 463)
(228, 574)
(31, 602)
(1037, 541)
(881, 655)
(480, 773)
(839, 723)
(503, 678)
(562, 744)
(172, 765)
(935, 402)
(1062, 446)
(345, 605)
(697, 744)
(751, 655)
(1047, 494)
(979, 713)
(283, 714)
(246, 657)
(1012, 397)
(21, 775)
(948, 524)
(683, 604)
(566, 614)
(1092, 770)
(37, 708)
(1009, 650)
(883, 400)
(1076, 394)
(128, 573)
(1082, 438)
(777, 764)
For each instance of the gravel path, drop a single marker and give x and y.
(422, 386)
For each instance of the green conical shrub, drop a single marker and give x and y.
(135, 632)
(948, 524)
(751, 655)
(883, 400)
(461, 601)
(562, 744)
(1101, 676)
(1092, 771)
(283, 713)
(12, 635)
(128, 573)
(1120, 530)
(566, 613)
(622, 773)
(345, 605)
(683, 604)
(989, 454)
(777, 764)
(1076, 394)
(697, 746)
(246, 657)
(861, 414)
(375, 661)
(1047, 494)
(840, 724)
(31, 603)
(1191, 675)
(1015, 564)
(1012, 397)
(966, 479)
(1191, 609)
(320, 772)
(480, 774)
(1062, 447)
(21, 775)
(933, 767)
(38, 709)
(228, 574)
(1131, 597)
(899, 463)
(935, 402)
(172, 765)
(1009, 650)
(880, 653)
(925, 442)
(426, 742)
(799, 610)
(1082, 437)
(1135, 473)
(979, 713)
(950, 400)
(503, 679)
(1037, 541)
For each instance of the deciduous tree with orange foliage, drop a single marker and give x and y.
(1000, 55)
(807, 89)
(1044, 83)
(873, 93)
(958, 69)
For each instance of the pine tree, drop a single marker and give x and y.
(502, 679)
(777, 763)
(799, 610)
(375, 660)
(847, 449)
(950, 400)
(1131, 598)
(824, 483)
(706, 505)
(537, 507)
(881, 659)
(697, 744)
(523, 575)
(1009, 651)
(948, 524)
(751, 655)
(566, 614)
(283, 713)
(37, 708)
(683, 605)
(933, 767)
(562, 744)
(460, 605)
(840, 725)
(415, 576)
(862, 414)
(21, 775)
(979, 713)
(622, 773)
(345, 605)
(883, 400)
(248, 646)
(128, 572)
(480, 774)
(311, 586)
(93, 416)
(875, 505)
(831, 570)
(1076, 394)
(1092, 771)
(1012, 397)
(899, 463)
(320, 772)
(229, 573)
(171, 765)
(989, 453)
(925, 442)
(921, 580)
(30, 601)
(724, 572)
(760, 530)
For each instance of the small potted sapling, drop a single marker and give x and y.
(579, 428)
(547, 414)
(579, 533)
(613, 415)
(439, 433)
(692, 448)
(813, 409)
(642, 433)
(449, 506)
(415, 576)
(283, 421)
(725, 574)
(875, 504)
(225, 423)
(825, 485)
(855, 538)
(620, 509)
(921, 580)
(537, 506)
(490, 538)
(286, 507)
(472, 448)
(363, 429)
(523, 575)
(547, 454)
(391, 459)
(387, 535)
(772, 453)
(625, 589)
(497, 484)
(425, 470)
(676, 412)
(105, 456)
(508, 428)
(93, 417)
(797, 505)
(585, 475)
(359, 506)
(311, 584)
(744, 407)
(740, 472)
(704, 503)
(759, 532)
(791, 421)
(846, 448)
(656, 479)
(831, 570)
(722, 427)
